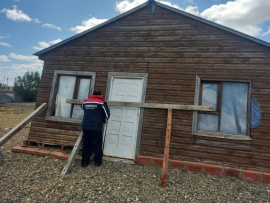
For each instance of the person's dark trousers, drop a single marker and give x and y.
(92, 143)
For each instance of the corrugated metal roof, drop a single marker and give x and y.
(161, 5)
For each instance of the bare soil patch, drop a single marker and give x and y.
(12, 114)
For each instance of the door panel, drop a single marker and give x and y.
(122, 129)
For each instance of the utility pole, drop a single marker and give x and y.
(4, 83)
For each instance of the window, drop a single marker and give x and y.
(69, 85)
(230, 117)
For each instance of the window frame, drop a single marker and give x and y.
(197, 100)
(54, 90)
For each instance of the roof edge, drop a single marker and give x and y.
(181, 12)
(91, 29)
(238, 33)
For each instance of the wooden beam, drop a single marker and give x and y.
(170, 107)
(151, 105)
(73, 155)
(166, 149)
(74, 101)
(23, 123)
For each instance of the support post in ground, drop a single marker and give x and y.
(167, 148)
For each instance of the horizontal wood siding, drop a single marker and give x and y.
(172, 49)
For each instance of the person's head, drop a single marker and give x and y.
(97, 92)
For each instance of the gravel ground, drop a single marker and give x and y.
(31, 178)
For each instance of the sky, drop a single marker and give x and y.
(28, 26)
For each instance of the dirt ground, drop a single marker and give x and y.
(11, 114)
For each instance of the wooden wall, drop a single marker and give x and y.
(172, 49)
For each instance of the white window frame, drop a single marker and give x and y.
(54, 90)
(195, 130)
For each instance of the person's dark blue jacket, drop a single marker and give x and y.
(96, 112)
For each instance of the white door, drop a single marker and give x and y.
(122, 127)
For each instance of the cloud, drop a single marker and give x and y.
(245, 16)
(36, 20)
(44, 45)
(22, 57)
(30, 63)
(87, 24)
(16, 15)
(266, 32)
(169, 4)
(125, 5)
(4, 58)
(48, 25)
(4, 44)
(4, 36)
(193, 10)
(20, 69)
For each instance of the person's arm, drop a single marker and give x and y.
(82, 104)
(106, 112)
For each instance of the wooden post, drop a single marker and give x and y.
(23, 123)
(73, 155)
(167, 148)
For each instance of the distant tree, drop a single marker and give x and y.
(27, 86)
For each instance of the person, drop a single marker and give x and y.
(96, 113)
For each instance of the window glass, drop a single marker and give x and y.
(230, 101)
(234, 108)
(83, 93)
(65, 91)
(76, 85)
(209, 95)
(208, 122)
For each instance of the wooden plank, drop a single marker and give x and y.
(143, 59)
(166, 149)
(73, 155)
(56, 137)
(172, 53)
(54, 131)
(52, 142)
(222, 135)
(151, 105)
(242, 147)
(23, 123)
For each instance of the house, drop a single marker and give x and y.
(6, 93)
(158, 54)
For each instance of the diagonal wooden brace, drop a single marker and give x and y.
(23, 123)
(73, 155)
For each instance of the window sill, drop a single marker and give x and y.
(222, 135)
(62, 119)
